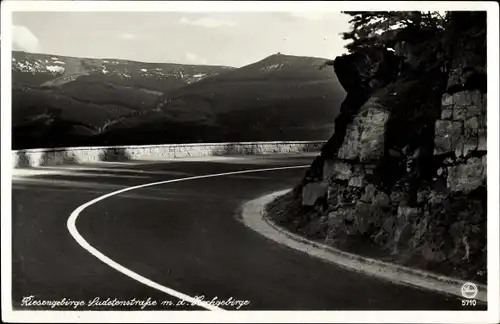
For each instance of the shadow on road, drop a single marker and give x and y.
(22, 160)
(114, 155)
(57, 158)
(44, 158)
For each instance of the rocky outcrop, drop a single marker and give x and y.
(364, 140)
(361, 74)
(362, 148)
(362, 120)
(405, 171)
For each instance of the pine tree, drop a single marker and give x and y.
(372, 29)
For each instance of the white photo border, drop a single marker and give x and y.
(490, 316)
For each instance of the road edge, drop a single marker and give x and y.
(73, 231)
(253, 216)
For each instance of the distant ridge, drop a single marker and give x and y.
(111, 101)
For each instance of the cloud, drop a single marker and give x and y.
(311, 15)
(193, 58)
(207, 22)
(23, 39)
(127, 36)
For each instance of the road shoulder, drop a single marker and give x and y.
(253, 215)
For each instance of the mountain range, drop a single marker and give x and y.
(70, 101)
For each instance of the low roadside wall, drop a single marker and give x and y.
(77, 155)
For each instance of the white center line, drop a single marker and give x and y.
(71, 223)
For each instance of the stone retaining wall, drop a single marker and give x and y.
(461, 135)
(77, 155)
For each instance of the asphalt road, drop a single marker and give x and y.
(184, 235)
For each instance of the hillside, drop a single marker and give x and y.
(62, 101)
(84, 95)
(278, 98)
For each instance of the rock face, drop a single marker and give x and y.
(423, 201)
(312, 192)
(364, 140)
(361, 74)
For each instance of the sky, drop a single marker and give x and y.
(214, 38)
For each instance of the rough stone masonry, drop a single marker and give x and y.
(439, 223)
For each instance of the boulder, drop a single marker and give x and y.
(402, 237)
(467, 176)
(407, 213)
(364, 140)
(422, 196)
(349, 149)
(328, 169)
(312, 191)
(369, 194)
(358, 182)
(363, 217)
(372, 137)
(342, 171)
(381, 200)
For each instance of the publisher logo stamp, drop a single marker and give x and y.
(469, 290)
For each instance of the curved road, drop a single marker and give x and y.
(182, 235)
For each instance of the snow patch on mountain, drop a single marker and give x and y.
(55, 68)
(73, 66)
(272, 67)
